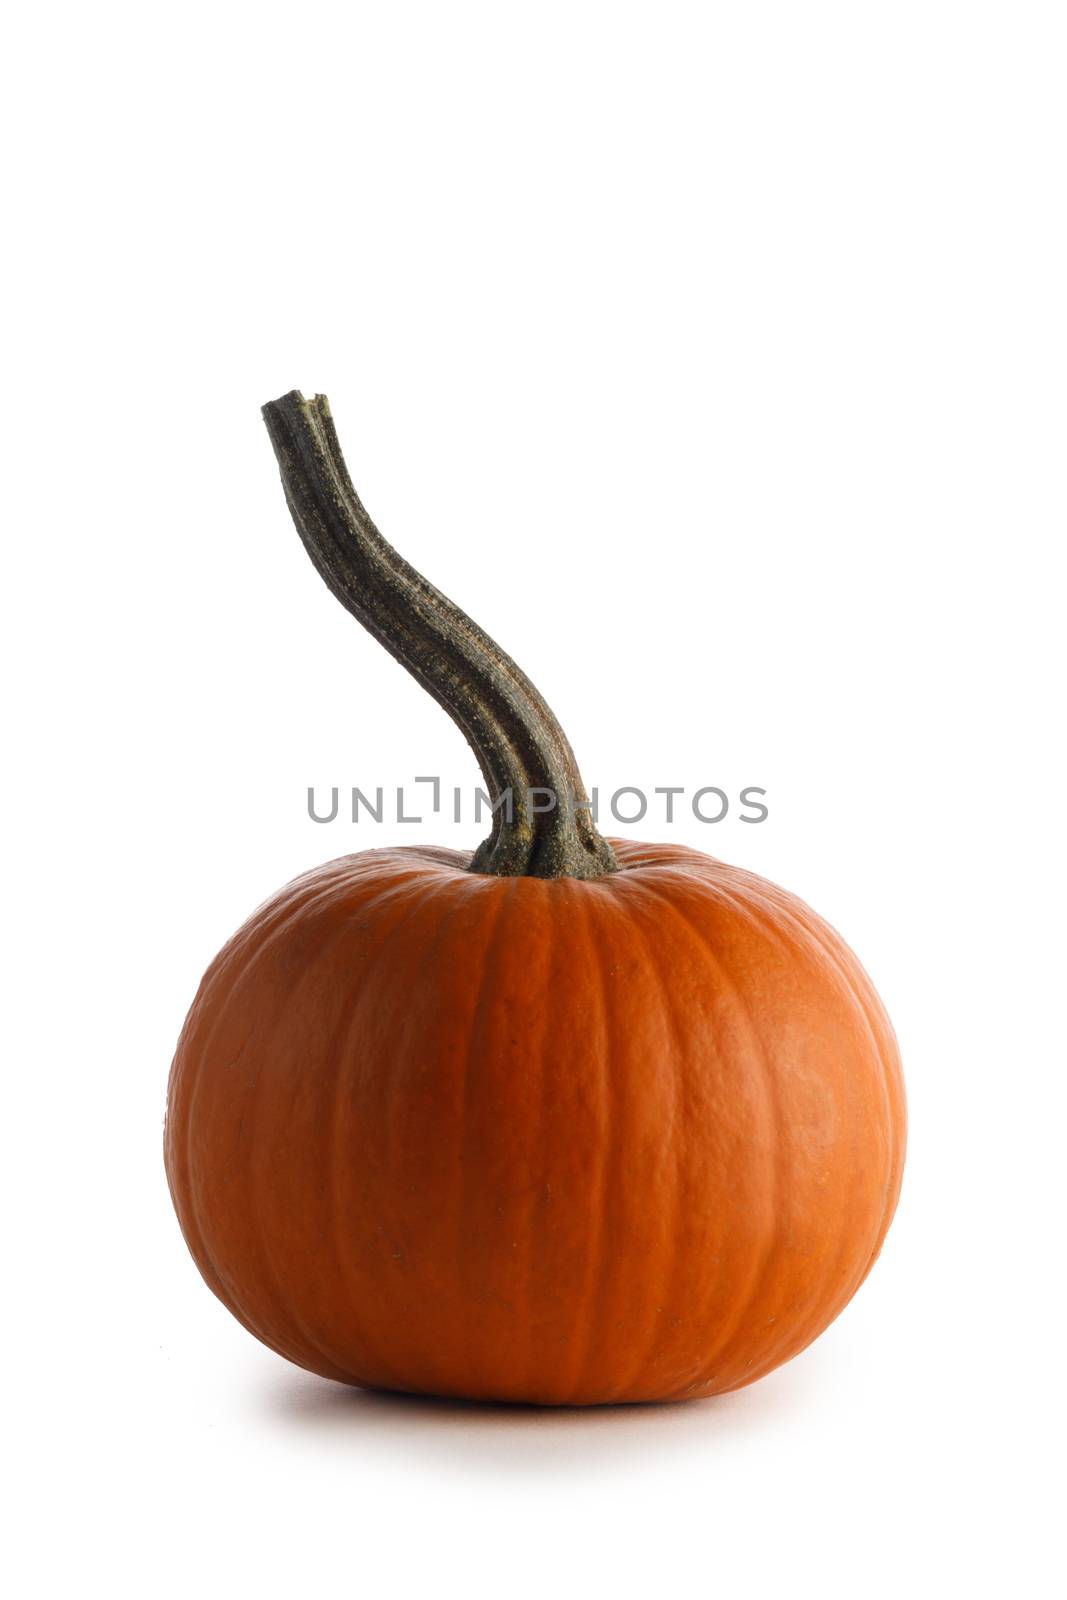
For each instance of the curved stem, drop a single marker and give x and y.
(542, 825)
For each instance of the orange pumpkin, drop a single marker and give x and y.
(570, 1122)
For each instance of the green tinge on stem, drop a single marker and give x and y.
(521, 749)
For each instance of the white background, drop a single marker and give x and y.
(713, 358)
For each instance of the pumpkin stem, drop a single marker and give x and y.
(542, 824)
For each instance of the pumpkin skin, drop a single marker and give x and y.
(545, 1140)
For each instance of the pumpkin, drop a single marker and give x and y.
(572, 1121)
